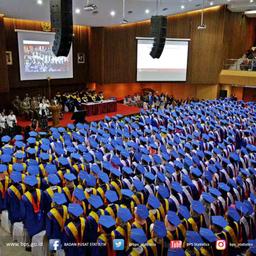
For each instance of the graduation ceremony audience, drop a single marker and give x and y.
(179, 176)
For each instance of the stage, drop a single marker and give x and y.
(121, 109)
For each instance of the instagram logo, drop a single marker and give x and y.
(175, 244)
(221, 245)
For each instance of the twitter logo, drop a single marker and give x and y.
(118, 244)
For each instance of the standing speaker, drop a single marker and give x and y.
(223, 93)
(62, 24)
(158, 31)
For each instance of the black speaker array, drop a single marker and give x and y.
(62, 24)
(158, 31)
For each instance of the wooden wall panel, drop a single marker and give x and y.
(80, 45)
(206, 47)
(4, 82)
(236, 35)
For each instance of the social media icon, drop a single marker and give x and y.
(221, 245)
(175, 244)
(54, 245)
(118, 244)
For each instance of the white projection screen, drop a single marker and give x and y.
(170, 67)
(37, 60)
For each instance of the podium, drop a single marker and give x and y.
(55, 109)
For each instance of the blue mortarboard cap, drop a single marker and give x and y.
(127, 192)
(90, 180)
(76, 156)
(196, 172)
(138, 235)
(140, 168)
(163, 191)
(31, 180)
(249, 207)
(187, 180)
(173, 218)
(197, 207)
(208, 197)
(219, 221)
(252, 248)
(75, 209)
(53, 179)
(208, 235)
(176, 187)
(32, 134)
(79, 194)
(153, 202)
(139, 186)
(18, 167)
(107, 221)
(51, 168)
(88, 157)
(95, 201)
(71, 126)
(19, 144)
(233, 214)
(124, 214)
(111, 196)
(178, 164)
(157, 159)
(150, 176)
(5, 139)
(18, 137)
(160, 176)
(169, 168)
(61, 129)
(234, 156)
(44, 156)
(59, 151)
(33, 170)
(69, 176)
(95, 168)
(184, 212)
(194, 238)
(127, 170)
(31, 140)
(59, 198)
(253, 198)
(142, 211)
(3, 168)
(63, 161)
(103, 177)
(215, 192)
(20, 155)
(159, 229)
(224, 187)
(16, 177)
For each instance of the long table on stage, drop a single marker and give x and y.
(97, 108)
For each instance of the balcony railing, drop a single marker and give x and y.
(240, 64)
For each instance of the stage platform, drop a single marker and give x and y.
(121, 109)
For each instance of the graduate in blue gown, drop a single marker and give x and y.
(34, 208)
(15, 206)
(75, 232)
(57, 217)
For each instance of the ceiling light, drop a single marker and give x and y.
(250, 12)
(77, 11)
(40, 2)
(251, 1)
(147, 11)
(211, 3)
(182, 7)
(112, 13)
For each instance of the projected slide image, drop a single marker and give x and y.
(171, 66)
(37, 60)
(38, 57)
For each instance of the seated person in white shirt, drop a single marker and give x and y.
(11, 120)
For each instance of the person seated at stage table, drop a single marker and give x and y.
(16, 104)
(26, 107)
